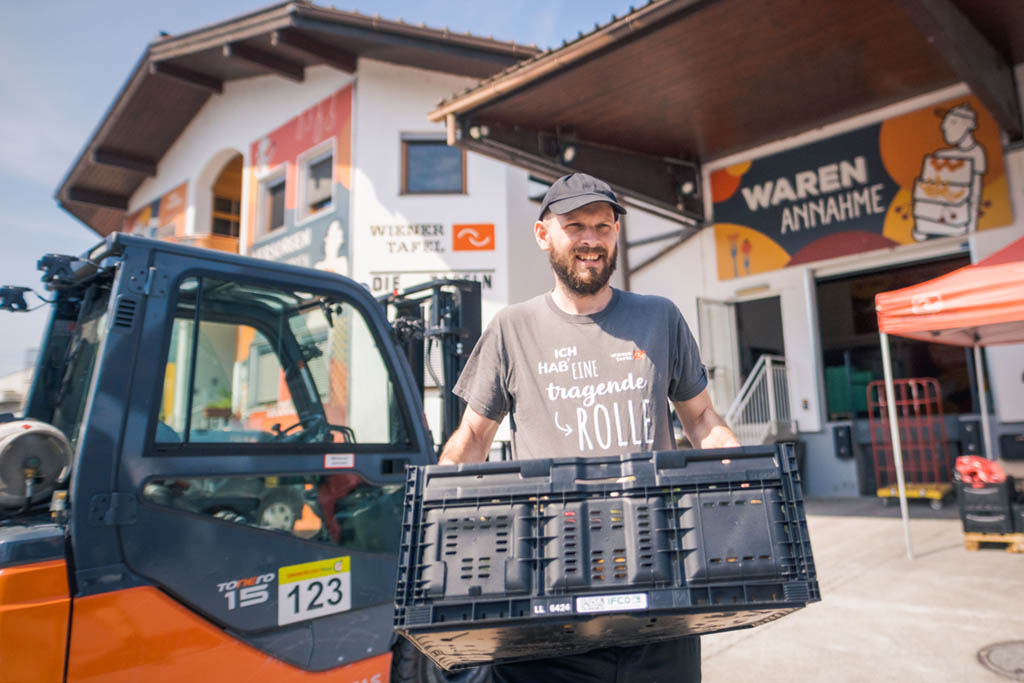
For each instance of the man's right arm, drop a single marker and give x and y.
(471, 441)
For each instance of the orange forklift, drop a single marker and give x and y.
(207, 481)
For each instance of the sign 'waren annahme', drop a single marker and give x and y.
(931, 173)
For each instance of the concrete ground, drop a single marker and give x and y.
(884, 617)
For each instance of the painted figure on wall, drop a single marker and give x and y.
(947, 196)
(264, 153)
(334, 257)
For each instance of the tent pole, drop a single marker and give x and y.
(897, 447)
(986, 428)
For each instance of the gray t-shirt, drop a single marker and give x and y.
(584, 384)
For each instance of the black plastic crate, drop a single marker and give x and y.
(988, 522)
(985, 498)
(538, 558)
(1011, 446)
(1018, 518)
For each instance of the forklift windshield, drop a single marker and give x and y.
(66, 365)
(85, 337)
(256, 364)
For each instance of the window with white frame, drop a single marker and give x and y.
(431, 166)
(271, 210)
(316, 180)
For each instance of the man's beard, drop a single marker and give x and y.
(580, 279)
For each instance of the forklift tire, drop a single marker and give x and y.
(277, 510)
(409, 665)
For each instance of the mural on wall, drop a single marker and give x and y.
(935, 172)
(314, 236)
(162, 218)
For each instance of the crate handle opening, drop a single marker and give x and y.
(608, 480)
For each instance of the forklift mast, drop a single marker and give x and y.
(446, 312)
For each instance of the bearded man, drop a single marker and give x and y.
(586, 370)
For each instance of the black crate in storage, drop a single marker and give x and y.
(988, 498)
(988, 522)
(1011, 446)
(538, 558)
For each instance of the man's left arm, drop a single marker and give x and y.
(704, 427)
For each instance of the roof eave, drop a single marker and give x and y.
(131, 83)
(552, 61)
(252, 25)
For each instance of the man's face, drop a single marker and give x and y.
(581, 246)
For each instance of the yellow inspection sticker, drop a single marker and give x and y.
(313, 589)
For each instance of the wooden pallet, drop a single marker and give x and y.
(1014, 542)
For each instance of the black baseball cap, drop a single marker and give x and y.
(572, 191)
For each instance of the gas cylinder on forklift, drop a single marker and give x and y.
(207, 479)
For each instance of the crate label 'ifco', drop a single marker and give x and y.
(611, 603)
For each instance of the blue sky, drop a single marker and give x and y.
(64, 61)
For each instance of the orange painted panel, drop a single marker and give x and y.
(34, 606)
(142, 634)
(164, 215)
(329, 118)
(473, 237)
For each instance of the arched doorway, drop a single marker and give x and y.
(226, 215)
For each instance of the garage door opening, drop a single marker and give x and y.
(849, 341)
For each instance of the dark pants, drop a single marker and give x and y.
(670, 661)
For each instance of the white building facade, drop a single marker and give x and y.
(319, 156)
(343, 170)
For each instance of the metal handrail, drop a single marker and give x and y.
(742, 397)
(762, 404)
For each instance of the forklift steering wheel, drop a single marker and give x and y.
(312, 424)
(346, 432)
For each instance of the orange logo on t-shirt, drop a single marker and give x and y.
(473, 237)
(638, 354)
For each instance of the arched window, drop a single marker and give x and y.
(227, 199)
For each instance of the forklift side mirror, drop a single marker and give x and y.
(13, 298)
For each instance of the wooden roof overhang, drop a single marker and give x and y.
(644, 99)
(176, 75)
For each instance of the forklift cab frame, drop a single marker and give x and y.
(150, 559)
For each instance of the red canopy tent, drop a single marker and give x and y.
(975, 306)
(982, 303)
